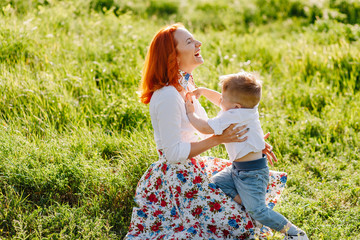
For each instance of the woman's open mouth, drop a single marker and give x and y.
(197, 54)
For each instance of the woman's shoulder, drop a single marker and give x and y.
(168, 92)
(170, 89)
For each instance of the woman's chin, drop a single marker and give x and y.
(199, 60)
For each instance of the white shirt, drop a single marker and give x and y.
(242, 116)
(173, 131)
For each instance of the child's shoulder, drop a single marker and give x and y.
(238, 114)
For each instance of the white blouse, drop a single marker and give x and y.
(173, 131)
(241, 116)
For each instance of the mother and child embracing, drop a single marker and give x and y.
(187, 196)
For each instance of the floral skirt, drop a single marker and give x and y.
(178, 201)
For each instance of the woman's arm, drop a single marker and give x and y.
(230, 134)
(166, 116)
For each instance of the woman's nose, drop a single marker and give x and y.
(198, 44)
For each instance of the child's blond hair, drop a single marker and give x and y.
(243, 88)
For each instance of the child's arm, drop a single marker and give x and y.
(212, 95)
(200, 124)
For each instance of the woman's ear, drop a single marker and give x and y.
(237, 105)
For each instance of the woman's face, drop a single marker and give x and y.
(188, 50)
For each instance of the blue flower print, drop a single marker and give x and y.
(271, 205)
(233, 223)
(184, 79)
(140, 213)
(213, 185)
(192, 230)
(283, 179)
(181, 177)
(173, 211)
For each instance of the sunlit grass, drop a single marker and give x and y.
(74, 139)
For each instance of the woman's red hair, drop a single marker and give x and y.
(160, 67)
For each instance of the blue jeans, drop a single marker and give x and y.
(250, 183)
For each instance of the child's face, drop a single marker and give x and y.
(226, 103)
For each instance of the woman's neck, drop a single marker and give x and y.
(184, 79)
(187, 70)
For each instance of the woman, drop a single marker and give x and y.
(175, 198)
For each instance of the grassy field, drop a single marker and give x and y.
(74, 138)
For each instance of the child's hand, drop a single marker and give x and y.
(189, 105)
(197, 92)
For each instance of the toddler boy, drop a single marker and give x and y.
(246, 179)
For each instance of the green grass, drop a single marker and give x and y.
(75, 140)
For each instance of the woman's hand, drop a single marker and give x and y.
(232, 134)
(268, 151)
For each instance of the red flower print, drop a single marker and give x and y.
(212, 228)
(162, 194)
(225, 232)
(197, 211)
(155, 228)
(193, 161)
(179, 229)
(157, 213)
(163, 203)
(158, 183)
(249, 225)
(189, 194)
(178, 189)
(197, 179)
(153, 198)
(217, 206)
(163, 168)
(140, 227)
(148, 174)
